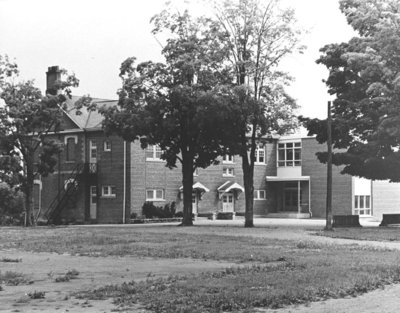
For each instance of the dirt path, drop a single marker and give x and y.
(43, 268)
(379, 301)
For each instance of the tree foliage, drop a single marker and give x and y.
(364, 75)
(175, 104)
(26, 118)
(256, 37)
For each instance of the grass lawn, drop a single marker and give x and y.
(364, 233)
(270, 273)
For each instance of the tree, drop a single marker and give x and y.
(256, 37)
(26, 118)
(364, 75)
(174, 104)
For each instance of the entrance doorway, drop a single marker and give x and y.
(228, 202)
(93, 202)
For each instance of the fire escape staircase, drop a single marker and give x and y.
(53, 213)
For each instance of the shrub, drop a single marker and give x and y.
(11, 206)
(149, 210)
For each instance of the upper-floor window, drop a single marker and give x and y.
(70, 149)
(260, 155)
(228, 172)
(93, 149)
(260, 195)
(155, 195)
(289, 154)
(227, 158)
(107, 145)
(153, 153)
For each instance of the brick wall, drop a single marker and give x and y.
(154, 175)
(341, 186)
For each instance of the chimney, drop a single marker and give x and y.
(53, 75)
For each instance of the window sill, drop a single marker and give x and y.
(260, 199)
(155, 160)
(109, 197)
(155, 200)
(228, 175)
(258, 163)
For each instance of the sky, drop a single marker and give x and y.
(92, 38)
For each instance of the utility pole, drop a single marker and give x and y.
(329, 171)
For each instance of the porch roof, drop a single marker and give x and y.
(278, 179)
(228, 186)
(197, 186)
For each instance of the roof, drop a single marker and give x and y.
(198, 186)
(228, 186)
(87, 119)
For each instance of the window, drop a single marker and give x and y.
(260, 195)
(155, 195)
(260, 155)
(362, 205)
(108, 191)
(93, 149)
(227, 158)
(107, 145)
(228, 171)
(153, 153)
(70, 149)
(289, 154)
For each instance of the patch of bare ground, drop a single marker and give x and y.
(43, 269)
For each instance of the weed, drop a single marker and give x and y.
(71, 274)
(36, 294)
(14, 279)
(9, 260)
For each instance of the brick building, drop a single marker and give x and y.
(103, 179)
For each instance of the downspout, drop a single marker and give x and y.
(124, 188)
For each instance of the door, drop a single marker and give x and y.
(228, 203)
(195, 202)
(291, 200)
(93, 202)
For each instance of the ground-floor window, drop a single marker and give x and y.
(108, 191)
(155, 195)
(362, 205)
(260, 195)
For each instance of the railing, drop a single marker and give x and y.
(54, 210)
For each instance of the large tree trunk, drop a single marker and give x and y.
(28, 219)
(248, 179)
(187, 182)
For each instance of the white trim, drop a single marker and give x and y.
(109, 193)
(227, 159)
(228, 171)
(234, 186)
(154, 198)
(276, 178)
(75, 137)
(258, 193)
(105, 148)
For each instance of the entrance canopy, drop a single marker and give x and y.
(229, 186)
(278, 178)
(197, 187)
(292, 195)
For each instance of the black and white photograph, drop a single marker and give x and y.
(200, 156)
